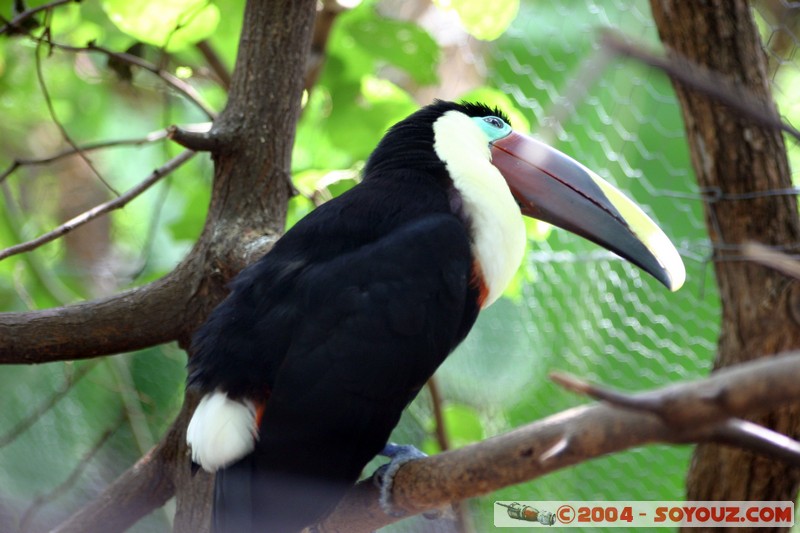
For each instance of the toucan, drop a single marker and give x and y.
(304, 369)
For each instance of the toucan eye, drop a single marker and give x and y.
(495, 122)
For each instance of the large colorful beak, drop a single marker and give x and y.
(553, 187)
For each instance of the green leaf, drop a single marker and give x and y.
(174, 24)
(361, 114)
(481, 22)
(402, 44)
(462, 423)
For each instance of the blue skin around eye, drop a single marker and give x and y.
(493, 132)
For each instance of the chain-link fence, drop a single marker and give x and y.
(583, 310)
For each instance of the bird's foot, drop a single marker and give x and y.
(399, 454)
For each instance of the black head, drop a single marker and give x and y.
(408, 145)
(471, 149)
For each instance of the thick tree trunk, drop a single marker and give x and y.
(735, 163)
(252, 183)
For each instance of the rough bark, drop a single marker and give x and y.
(735, 163)
(252, 183)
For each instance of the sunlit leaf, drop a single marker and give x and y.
(462, 424)
(174, 24)
(482, 20)
(362, 114)
(402, 44)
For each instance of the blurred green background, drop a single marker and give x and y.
(68, 429)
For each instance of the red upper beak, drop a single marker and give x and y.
(553, 187)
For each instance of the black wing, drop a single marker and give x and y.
(365, 332)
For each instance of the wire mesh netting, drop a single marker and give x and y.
(582, 310)
(573, 308)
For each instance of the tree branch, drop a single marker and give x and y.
(145, 486)
(710, 83)
(91, 147)
(131, 320)
(572, 437)
(682, 412)
(215, 63)
(129, 59)
(87, 216)
(16, 23)
(199, 141)
(59, 490)
(54, 116)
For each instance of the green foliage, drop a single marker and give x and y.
(480, 22)
(462, 423)
(171, 24)
(363, 39)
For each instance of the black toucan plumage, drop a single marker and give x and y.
(307, 365)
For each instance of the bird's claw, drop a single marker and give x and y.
(399, 454)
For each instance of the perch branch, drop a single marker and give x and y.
(575, 436)
(759, 439)
(729, 430)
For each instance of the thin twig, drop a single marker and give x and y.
(440, 428)
(215, 63)
(176, 83)
(54, 116)
(462, 517)
(21, 162)
(702, 80)
(101, 209)
(14, 23)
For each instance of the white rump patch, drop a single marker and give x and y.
(221, 431)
